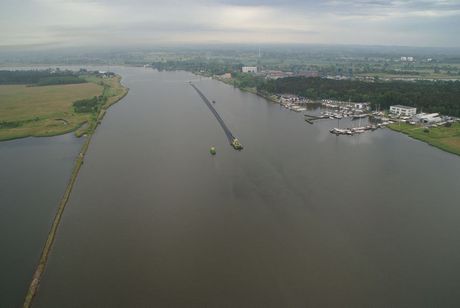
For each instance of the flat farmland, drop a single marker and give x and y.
(42, 111)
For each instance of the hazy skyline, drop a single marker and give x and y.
(433, 23)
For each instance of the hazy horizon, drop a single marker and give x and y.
(121, 23)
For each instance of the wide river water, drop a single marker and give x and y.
(299, 218)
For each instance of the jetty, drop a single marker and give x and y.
(234, 142)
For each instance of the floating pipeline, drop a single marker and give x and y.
(234, 142)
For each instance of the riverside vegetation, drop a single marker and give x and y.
(49, 103)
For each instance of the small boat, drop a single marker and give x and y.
(213, 102)
(212, 151)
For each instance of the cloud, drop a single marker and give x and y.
(121, 22)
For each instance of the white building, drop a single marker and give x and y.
(249, 69)
(403, 58)
(403, 110)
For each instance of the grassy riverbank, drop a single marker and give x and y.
(41, 111)
(444, 138)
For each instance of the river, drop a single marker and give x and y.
(300, 217)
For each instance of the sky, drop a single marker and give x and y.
(430, 23)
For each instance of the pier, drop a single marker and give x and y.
(233, 141)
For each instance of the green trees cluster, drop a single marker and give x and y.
(440, 96)
(14, 124)
(9, 124)
(89, 105)
(245, 80)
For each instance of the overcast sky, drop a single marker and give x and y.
(125, 22)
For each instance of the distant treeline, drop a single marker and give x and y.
(440, 96)
(89, 105)
(40, 77)
(196, 65)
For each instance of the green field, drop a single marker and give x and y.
(445, 138)
(48, 110)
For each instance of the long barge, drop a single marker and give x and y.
(234, 142)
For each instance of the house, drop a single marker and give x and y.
(249, 69)
(403, 110)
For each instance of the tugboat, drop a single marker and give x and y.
(212, 151)
(236, 144)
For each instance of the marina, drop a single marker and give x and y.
(339, 110)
